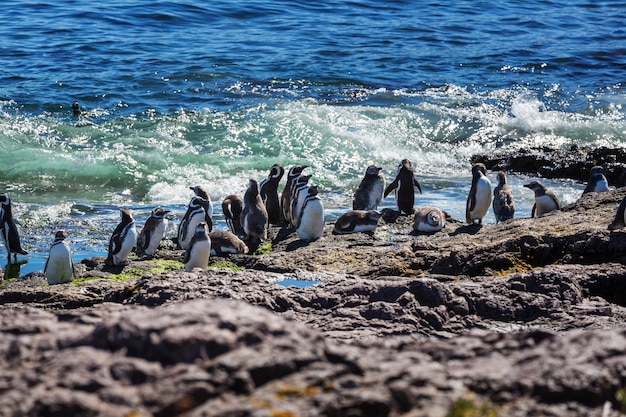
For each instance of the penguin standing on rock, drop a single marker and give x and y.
(369, 194)
(196, 213)
(254, 215)
(8, 228)
(269, 193)
(503, 203)
(597, 181)
(619, 221)
(310, 224)
(404, 185)
(123, 240)
(357, 221)
(545, 200)
(479, 197)
(152, 232)
(299, 190)
(199, 191)
(285, 198)
(59, 267)
(198, 252)
(231, 207)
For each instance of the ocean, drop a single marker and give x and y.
(183, 93)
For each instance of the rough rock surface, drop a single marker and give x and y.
(523, 318)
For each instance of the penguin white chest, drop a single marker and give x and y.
(199, 255)
(311, 225)
(59, 265)
(482, 198)
(190, 227)
(155, 238)
(601, 186)
(375, 196)
(544, 204)
(128, 242)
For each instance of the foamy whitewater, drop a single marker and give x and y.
(176, 94)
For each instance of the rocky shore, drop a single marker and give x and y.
(523, 318)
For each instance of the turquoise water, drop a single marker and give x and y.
(183, 93)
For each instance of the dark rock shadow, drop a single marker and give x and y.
(469, 229)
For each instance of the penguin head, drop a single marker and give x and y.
(406, 164)
(537, 187)
(501, 178)
(303, 179)
(313, 190)
(159, 212)
(60, 235)
(200, 192)
(201, 228)
(277, 171)
(296, 170)
(127, 216)
(373, 170)
(479, 169)
(373, 216)
(253, 185)
(5, 200)
(433, 218)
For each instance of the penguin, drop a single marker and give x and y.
(59, 267)
(404, 185)
(201, 192)
(199, 249)
(310, 224)
(503, 203)
(152, 232)
(369, 194)
(76, 111)
(223, 243)
(196, 213)
(269, 194)
(123, 240)
(231, 207)
(545, 200)
(285, 198)
(356, 221)
(597, 181)
(620, 216)
(479, 197)
(9, 230)
(429, 219)
(299, 190)
(254, 215)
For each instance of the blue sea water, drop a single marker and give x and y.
(181, 93)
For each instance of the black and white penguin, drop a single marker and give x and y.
(269, 194)
(503, 202)
(369, 194)
(254, 215)
(8, 228)
(123, 240)
(76, 111)
(479, 197)
(59, 267)
(152, 232)
(404, 185)
(198, 251)
(619, 221)
(597, 181)
(224, 242)
(357, 221)
(231, 207)
(199, 191)
(299, 191)
(429, 219)
(545, 200)
(310, 223)
(196, 213)
(285, 198)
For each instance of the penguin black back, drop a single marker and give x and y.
(404, 185)
(285, 198)
(269, 193)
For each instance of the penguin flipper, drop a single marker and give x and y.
(417, 184)
(391, 187)
(532, 212)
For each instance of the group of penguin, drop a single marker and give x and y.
(298, 207)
